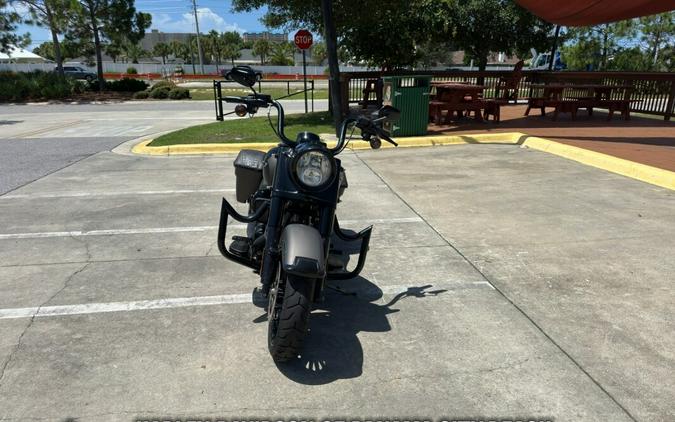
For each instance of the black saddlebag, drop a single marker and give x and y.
(248, 170)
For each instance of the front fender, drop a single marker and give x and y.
(302, 251)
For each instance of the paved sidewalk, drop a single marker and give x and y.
(648, 141)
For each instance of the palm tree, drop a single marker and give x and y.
(180, 49)
(261, 48)
(282, 54)
(162, 50)
(212, 43)
(231, 45)
(134, 52)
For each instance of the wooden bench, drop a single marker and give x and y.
(509, 84)
(559, 105)
(492, 108)
(372, 86)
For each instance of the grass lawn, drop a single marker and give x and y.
(255, 129)
(207, 93)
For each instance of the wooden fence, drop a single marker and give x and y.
(654, 92)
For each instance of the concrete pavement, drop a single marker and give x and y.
(37, 139)
(501, 283)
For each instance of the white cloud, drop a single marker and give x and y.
(185, 22)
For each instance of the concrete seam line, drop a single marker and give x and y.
(182, 302)
(638, 171)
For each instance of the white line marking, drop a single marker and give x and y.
(94, 194)
(112, 232)
(182, 302)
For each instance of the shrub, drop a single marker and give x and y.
(126, 85)
(132, 71)
(160, 93)
(141, 95)
(179, 93)
(37, 85)
(163, 84)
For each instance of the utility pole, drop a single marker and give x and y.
(199, 45)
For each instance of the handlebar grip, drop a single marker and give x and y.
(387, 138)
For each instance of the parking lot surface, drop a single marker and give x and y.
(501, 282)
(37, 139)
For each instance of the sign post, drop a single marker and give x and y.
(303, 40)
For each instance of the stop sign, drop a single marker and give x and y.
(303, 39)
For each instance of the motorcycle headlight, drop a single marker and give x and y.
(314, 168)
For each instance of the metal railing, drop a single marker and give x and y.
(218, 92)
(652, 92)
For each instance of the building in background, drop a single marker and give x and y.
(266, 35)
(20, 55)
(155, 37)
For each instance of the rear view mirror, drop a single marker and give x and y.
(243, 75)
(389, 113)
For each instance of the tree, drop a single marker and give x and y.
(162, 50)
(69, 49)
(591, 47)
(8, 36)
(387, 36)
(358, 24)
(435, 53)
(658, 32)
(181, 50)
(481, 27)
(382, 34)
(282, 54)
(262, 48)
(319, 53)
(101, 20)
(212, 45)
(52, 14)
(629, 59)
(115, 50)
(133, 52)
(231, 46)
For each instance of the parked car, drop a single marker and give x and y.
(78, 72)
(258, 74)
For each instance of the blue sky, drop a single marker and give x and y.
(176, 16)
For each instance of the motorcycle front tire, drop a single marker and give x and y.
(287, 326)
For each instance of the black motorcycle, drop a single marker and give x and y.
(293, 234)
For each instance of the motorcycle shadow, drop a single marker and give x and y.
(332, 349)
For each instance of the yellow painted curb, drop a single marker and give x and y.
(642, 172)
(417, 141)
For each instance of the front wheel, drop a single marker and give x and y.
(288, 313)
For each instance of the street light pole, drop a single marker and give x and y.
(555, 46)
(199, 45)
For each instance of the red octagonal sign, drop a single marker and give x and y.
(303, 39)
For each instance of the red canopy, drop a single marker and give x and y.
(593, 12)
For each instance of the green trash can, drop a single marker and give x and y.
(409, 94)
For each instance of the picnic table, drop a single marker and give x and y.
(586, 96)
(459, 98)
